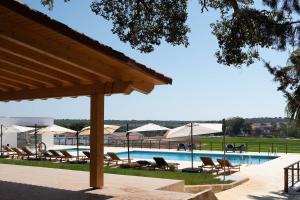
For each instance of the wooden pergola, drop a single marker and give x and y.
(42, 58)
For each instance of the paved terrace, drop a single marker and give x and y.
(29, 183)
(266, 181)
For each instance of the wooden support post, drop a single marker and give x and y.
(292, 175)
(286, 180)
(222, 148)
(97, 141)
(298, 172)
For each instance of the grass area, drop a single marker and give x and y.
(254, 144)
(189, 178)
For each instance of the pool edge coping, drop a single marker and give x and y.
(215, 188)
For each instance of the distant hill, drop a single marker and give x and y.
(77, 124)
(266, 119)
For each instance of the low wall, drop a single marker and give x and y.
(204, 195)
(214, 187)
(180, 187)
(176, 187)
(202, 192)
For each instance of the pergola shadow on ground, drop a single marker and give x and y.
(11, 190)
(278, 195)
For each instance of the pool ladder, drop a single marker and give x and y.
(250, 160)
(274, 153)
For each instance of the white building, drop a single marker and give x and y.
(16, 139)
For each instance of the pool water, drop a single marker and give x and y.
(74, 150)
(186, 156)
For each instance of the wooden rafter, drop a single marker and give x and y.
(67, 91)
(22, 71)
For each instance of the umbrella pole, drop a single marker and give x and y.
(35, 141)
(127, 135)
(224, 156)
(192, 149)
(1, 139)
(77, 143)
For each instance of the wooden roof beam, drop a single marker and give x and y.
(11, 86)
(59, 52)
(51, 62)
(74, 75)
(112, 88)
(3, 88)
(67, 91)
(8, 56)
(143, 87)
(26, 73)
(21, 81)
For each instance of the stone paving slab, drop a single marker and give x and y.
(266, 181)
(24, 182)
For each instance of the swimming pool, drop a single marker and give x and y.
(186, 156)
(74, 150)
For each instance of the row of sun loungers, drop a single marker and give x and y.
(112, 158)
(25, 153)
(209, 165)
(184, 147)
(233, 148)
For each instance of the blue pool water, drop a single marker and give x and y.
(186, 156)
(74, 150)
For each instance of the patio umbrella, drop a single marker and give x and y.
(191, 127)
(149, 127)
(52, 129)
(191, 130)
(55, 129)
(108, 129)
(127, 136)
(198, 129)
(123, 136)
(12, 129)
(224, 135)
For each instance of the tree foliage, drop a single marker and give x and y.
(241, 29)
(235, 126)
(244, 27)
(288, 78)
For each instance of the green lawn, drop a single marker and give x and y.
(254, 144)
(189, 179)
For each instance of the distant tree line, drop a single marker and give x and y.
(236, 126)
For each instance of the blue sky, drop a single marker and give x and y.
(202, 89)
